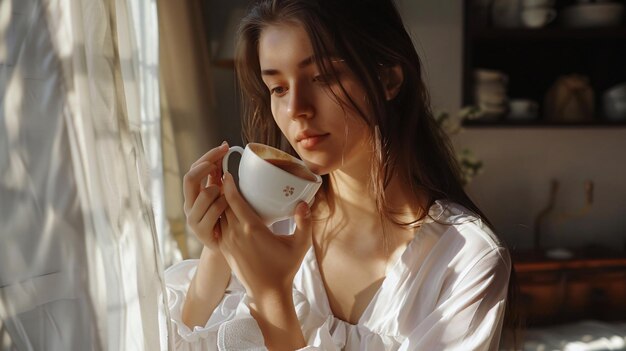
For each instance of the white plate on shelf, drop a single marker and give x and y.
(559, 254)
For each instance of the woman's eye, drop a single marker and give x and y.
(278, 91)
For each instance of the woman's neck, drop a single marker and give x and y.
(355, 202)
(352, 194)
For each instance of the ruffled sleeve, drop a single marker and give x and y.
(230, 314)
(230, 327)
(470, 316)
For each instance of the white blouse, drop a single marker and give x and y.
(447, 291)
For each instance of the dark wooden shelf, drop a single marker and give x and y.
(553, 265)
(548, 34)
(590, 257)
(542, 124)
(534, 59)
(590, 285)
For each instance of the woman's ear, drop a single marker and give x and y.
(391, 77)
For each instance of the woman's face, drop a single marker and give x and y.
(326, 135)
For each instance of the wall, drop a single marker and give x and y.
(519, 163)
(226, 96)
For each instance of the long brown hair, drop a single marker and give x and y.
(368, 35)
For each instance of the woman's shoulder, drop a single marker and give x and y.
(453, 217)
(460, 230)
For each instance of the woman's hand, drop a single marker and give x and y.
(205, 204)
(264, 262)
(266, 265)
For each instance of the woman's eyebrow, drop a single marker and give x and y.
(302, 64)
(272, 72)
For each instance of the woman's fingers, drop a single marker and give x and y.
(229, 225)
(206, 166)
(215, 176)
(230, 217)
(223, 226)
(304, 227)
(202, 204)
(241, 209)
(212, 215)
(211, 154)
(192, 184)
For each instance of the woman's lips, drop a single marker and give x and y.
(312, 141)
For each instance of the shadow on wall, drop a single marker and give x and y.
(519, 167)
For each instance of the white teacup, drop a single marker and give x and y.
(523, 109)
(272, 181)
(538, 17)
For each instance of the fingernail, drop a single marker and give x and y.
(224, 175)
(224, 144)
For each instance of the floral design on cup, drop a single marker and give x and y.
(288, 191)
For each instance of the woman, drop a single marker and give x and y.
(393, 255)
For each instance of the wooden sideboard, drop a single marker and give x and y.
(560, 291)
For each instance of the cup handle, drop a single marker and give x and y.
(238, 149)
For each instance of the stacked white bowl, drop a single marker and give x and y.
(490, 92)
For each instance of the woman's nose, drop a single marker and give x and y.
(300, 104)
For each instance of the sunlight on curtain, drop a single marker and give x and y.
(79, 261)
(139, 58)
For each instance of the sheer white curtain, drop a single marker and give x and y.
(138, 43)
(81, 204)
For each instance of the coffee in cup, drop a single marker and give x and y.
(272, 181)
(294, 168)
